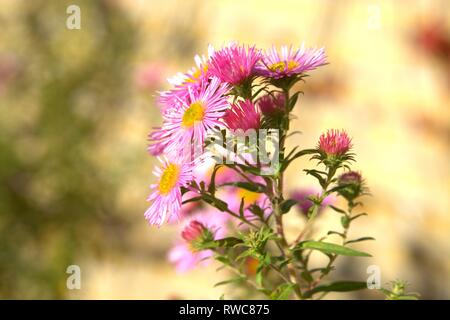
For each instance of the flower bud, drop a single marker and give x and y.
(196, 234)
(270, 104)
(352, 185)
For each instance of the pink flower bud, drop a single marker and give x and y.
(269, 104)
(193, 231)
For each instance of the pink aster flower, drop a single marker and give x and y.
(289, 61)
(242, 115)
(335, 142)
(183, 255)
(234, 64)
(183, 82)
(166, 195)
(188, 124)
(185, 259)
(269, 104)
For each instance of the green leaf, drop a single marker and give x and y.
(219, 204)
(293, 100)
(407, 297)
(317, 175)
(299, 154)
(331, 248)
(359, 240)
(248, 169)
(286, 205)
(241, 209)
(253, 187)
(212, 184)
(232, 280)
(224, 259)
(358, 215)
(192, 200)
(338, 286)
(257, 211)
(228, 242)
(307, 276)
(259, 272)
(282, 292)
(337, 209)
(184, 190)
(335, 232)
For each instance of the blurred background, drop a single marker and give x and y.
(76, 106)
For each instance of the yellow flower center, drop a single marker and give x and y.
(281, 66)
(193, 114)
(249, 196)
(169, 178)
(198, 72)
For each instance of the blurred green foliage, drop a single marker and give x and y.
(55, 202)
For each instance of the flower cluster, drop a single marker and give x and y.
(229, 204)
(199, 103)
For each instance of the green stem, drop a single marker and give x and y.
(277, 199)
(344, 238)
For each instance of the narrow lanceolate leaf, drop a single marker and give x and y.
(253, 187)
(212, 184)
(299, 154)
(241, 209)
(359, 215)
(335, 232)
(337, 209)
(228, 242)
(233, 280)
(282, 292)
(338, 286)
(331, 248)
(286, 205)
(359, 240)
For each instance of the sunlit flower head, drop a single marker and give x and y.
(242, 115)
(188, 124)
(272, 103)
(289, 61)
(166, 193)
(234, 64)
(335, 142)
